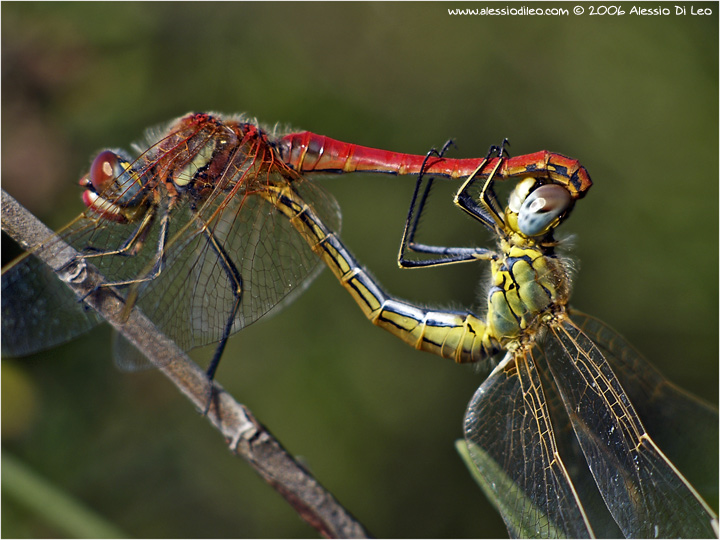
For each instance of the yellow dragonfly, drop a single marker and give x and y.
(214, 224)
(553, 433)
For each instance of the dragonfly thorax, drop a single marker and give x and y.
(526, 285)
(196, 154)
(194, 157)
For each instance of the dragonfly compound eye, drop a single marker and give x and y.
(112, 176)
(104, 169)
(520, 193)
(542, 208)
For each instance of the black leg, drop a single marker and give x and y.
(133, 244)
(447, 255)
(236, 283)
(488, 211)
(157, 265)
(130, 248)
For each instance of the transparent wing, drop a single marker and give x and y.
(602, 523)
(511, 439)
(684, 427)
(191, 299)
(38, 310)
(646, 495)
(192, 296)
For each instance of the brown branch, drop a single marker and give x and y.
(245, 436)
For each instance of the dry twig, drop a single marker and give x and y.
(245, 436)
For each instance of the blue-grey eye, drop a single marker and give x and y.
(540, 209)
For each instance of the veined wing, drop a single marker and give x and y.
(646, 495)
(38, 310)
(508, 425)
(676, 420)
(192, 297)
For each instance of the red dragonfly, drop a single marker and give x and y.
(181, 231)
(214, 224)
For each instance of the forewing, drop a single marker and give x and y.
(237, 242)
(601, 521)
(188, 291)
(644, 492)
(684, 427)
(38, 310)
(511, 439)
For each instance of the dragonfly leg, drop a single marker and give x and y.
(500, 149)
(236, 281)
(158, 263)
(488, 211)
(132, 244)
(130, 247)
(157, 267)
(447, 255)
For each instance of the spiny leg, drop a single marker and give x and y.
(488, 195)
(130, 247)
(155, 270)
(411, 225)
(133, 244)
(236, 282)
(137, 240)
(489, 212)
(448, 255)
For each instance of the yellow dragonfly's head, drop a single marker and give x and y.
(535, 208)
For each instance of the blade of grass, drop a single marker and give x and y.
(59, 509)
(505, 495)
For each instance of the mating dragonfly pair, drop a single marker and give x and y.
(215, 223)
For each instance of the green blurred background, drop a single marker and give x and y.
(634, 98)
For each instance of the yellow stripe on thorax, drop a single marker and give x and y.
(525, 284)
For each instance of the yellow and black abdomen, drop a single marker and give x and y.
(525, 284)
(460, 336)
